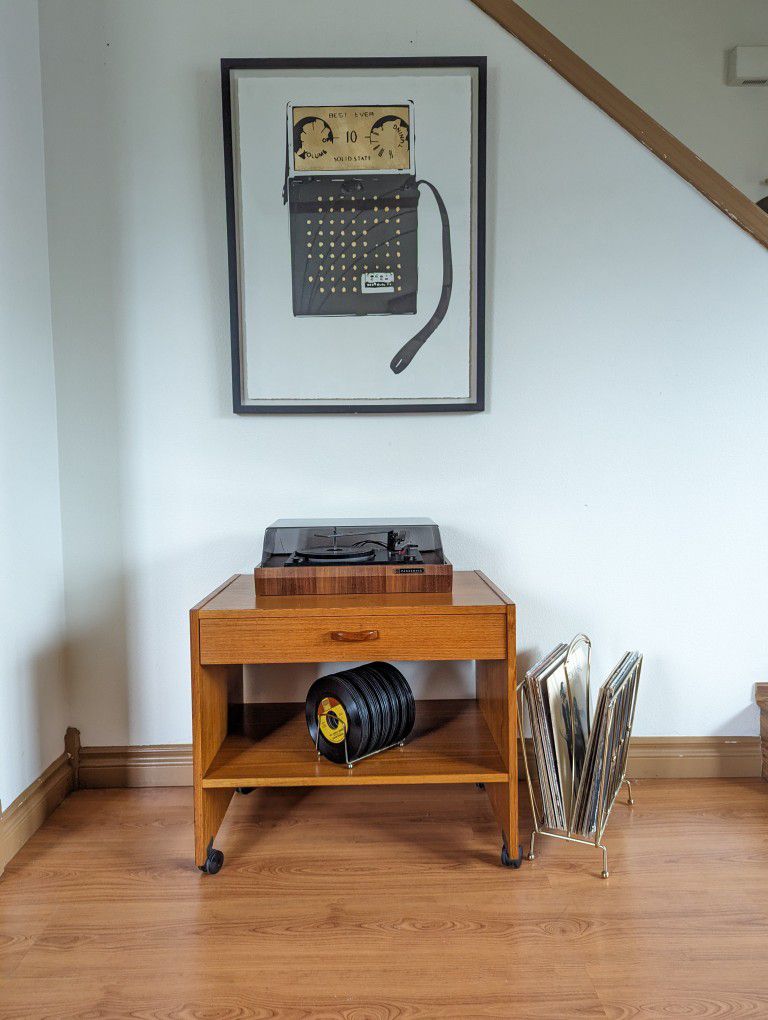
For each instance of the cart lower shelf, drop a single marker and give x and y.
(269, 745)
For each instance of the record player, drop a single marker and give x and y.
(353, 557)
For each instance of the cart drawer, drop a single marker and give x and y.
(354, 639)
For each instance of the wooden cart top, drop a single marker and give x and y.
(472, 592)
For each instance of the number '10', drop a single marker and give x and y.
(351, 136)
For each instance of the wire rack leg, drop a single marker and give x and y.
(605, 860)
(531, 854)
(630, 798)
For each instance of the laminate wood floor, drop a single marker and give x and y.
(389, 902)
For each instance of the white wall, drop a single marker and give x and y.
(669, 56)
(616, 483)
(33, 704)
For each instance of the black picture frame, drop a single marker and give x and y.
(479, 64)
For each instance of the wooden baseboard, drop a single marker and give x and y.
(693, 757)
(24, 816)
(649, 758)
(145, 765)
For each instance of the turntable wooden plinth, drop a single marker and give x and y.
(237, 747)
(359, 579)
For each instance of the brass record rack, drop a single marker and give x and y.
(351, 762)
(593, 783)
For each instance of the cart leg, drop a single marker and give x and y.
(214, 861)
(630, 798)
(210, 808)
(503, 799)
(531, 853)
(496, 698)
(210, 705)
(506, 859)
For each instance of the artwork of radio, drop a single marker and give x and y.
(353, 197)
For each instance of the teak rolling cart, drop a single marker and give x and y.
(239, 747)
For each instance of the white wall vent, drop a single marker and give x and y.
(748, 65)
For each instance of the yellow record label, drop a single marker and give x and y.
(332, 720)
(351, 138)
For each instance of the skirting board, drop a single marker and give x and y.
(24, 816)
(145, 765)
(649, 758)
(693, 757)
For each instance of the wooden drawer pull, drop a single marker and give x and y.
(354, 635)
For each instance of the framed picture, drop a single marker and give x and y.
(356, 227)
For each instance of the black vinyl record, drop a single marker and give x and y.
(403, 694)
(371, 702)
(411, 710)
(367, 708)
(334, 708)
(386, 711)
(397, 711)
(406, 698)
(392, 692)
(372, 705)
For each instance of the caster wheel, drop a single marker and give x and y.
(604, 874)
(479, 786)
(511, 862)
(214, 862)
(244, 789)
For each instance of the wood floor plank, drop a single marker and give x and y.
(20, 926)
(379, 903)
(206, 1001)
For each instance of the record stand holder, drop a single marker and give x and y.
(619, 716)
(351, 762)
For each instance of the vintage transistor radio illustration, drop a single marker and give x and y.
(353, 197)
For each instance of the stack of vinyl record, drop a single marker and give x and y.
(559, 723)
(579, 758)
(597, 790)
(359, 711)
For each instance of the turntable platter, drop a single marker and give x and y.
(335, 554)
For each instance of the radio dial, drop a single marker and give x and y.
(312, 138)
(388, 135)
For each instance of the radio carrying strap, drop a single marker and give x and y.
(409, 350)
